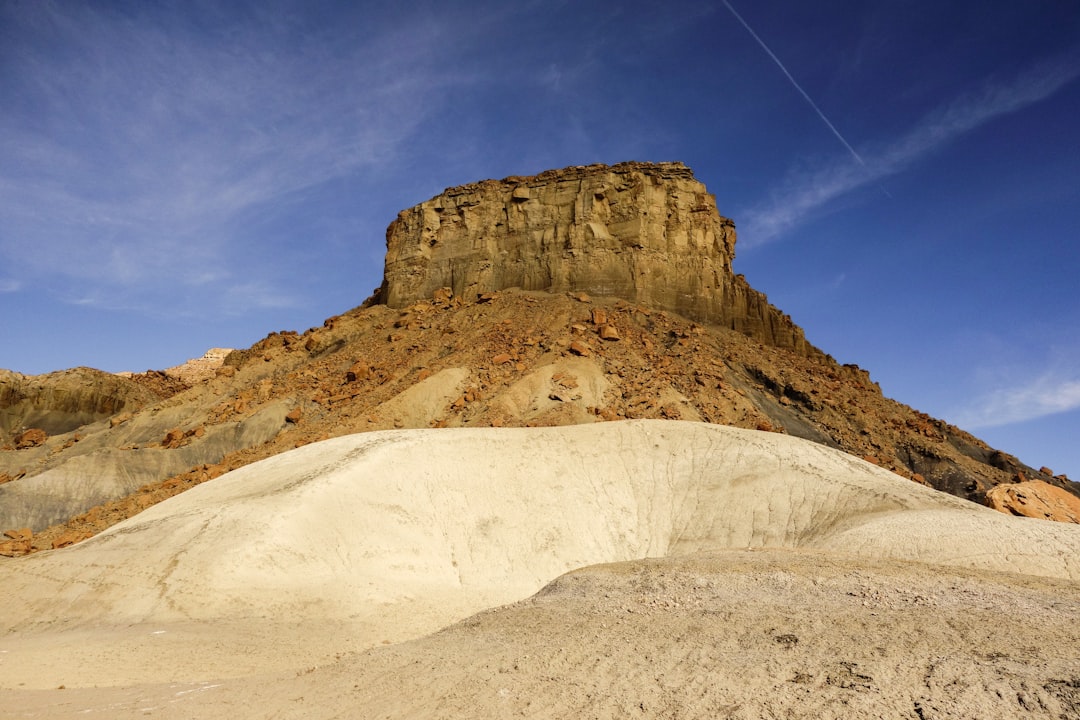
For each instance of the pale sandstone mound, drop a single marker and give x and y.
(384, 536)
(646, 232)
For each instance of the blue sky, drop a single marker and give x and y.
(904, 176)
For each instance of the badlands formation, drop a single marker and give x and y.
(564, 463)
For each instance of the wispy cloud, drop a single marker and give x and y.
(9, 285)
(142, 148)
(1054, 392)
(794, 83)
(807, 192)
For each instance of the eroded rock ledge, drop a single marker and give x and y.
(646, 232)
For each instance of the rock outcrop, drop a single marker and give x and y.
(1036, 499)
(199, 369)
(65, 400)
(647, 233)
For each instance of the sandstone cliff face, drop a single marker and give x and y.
(648, 233)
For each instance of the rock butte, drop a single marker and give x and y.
(648, 233)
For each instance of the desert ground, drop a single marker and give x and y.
(653, 569)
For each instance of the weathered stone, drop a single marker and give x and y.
(295, 415)
(199, 369)
(579, 348)
(501, 358)
(648, 233)
(1036, 499)
(609, 332)
(70, 537)
(119, 419)
(30, 438)
(20, 534)
(20, 542)
(442, 296)
(358, 371)
(173, 439)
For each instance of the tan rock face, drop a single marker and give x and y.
(1036, 499)
(648, 233)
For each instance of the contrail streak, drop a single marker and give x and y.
(794, 83)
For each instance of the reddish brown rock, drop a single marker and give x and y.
(579, 348)
(442, 296)
(119, 419)
(173, 439)
(358, 371)
(20, 542)
(1035, 499)
(30, 438)
(70, 538)
(294, 415)
(21, 534)
(609, 332)
(501, 358)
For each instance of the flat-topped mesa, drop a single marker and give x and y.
(646, 232)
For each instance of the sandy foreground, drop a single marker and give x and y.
(644, 569)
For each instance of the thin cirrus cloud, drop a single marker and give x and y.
(1052, 393)
(805, 193)
(137, 155)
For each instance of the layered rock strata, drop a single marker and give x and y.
(648, 233)
(62, 401)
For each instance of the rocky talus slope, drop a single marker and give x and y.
(584, 295)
